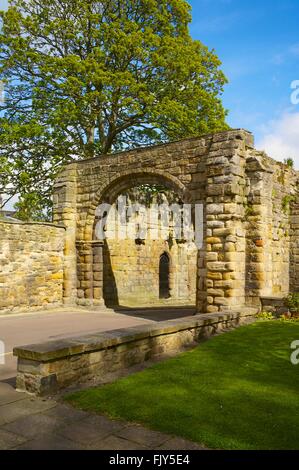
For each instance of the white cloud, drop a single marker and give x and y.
(281, 138)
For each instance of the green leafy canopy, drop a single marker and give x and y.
(84, 78)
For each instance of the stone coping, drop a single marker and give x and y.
(265, 297)
(21, 222)
(165, 144)
(59, 349)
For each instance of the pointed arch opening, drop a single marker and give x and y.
(164, 276)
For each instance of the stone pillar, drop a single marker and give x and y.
(294, 248)
(258, 215)
(98, 273)
(225, 241)
(201, 289)
(90, 273)
(271, 220)
(201, 275)
(65, 213)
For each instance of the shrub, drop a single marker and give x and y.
(287, 317)
(292, 302)
(289, 162)
(286, 204)
(265, 316)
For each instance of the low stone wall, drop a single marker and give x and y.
(45, 368)
(31, 266)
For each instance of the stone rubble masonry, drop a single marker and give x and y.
(271, 230)
(46, 368)
(31, 266)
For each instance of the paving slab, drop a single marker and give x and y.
(144, 437)
(105, 425)
(66, 413)
(9, 395)
(49, 442)
(176, 443)
(14, 411)
(9, 440)
(33, 425)
(117, 443)
(83, 433)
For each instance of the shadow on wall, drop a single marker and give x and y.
(109, 283)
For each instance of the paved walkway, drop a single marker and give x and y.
(30, 328)
(32, 423)
(35, 424)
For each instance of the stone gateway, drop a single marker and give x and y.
(251, 227)
(250, 207)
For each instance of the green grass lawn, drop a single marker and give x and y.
(235, 391)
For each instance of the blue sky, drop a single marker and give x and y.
(258, 43)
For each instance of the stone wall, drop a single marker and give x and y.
(31, 266)
(208, 170)
(131, 273)
(294, 246)
(250, 228)
(44, 369)
(269, 217)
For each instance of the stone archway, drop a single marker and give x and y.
(207, 170)
(90, 252)
(127, 180)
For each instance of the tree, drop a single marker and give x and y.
(85, 78)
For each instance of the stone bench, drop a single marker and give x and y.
(46, 368)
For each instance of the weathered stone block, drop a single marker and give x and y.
(214, 208)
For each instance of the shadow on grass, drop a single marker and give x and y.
(236, 391)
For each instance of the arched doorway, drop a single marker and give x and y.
(126, 274)
(164, 276)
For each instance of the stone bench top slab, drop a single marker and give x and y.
(54, 350)
(272, 298)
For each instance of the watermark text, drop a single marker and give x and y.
(2, 353)
(295, 354)
(126, 220)
(295, 93)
